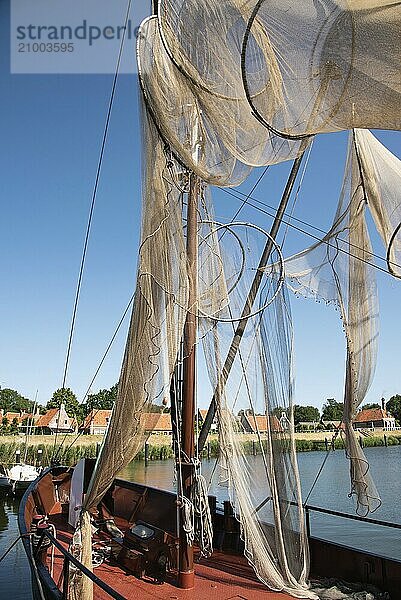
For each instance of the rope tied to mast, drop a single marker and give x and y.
(195, 512)
(203, 525)
(187, 516)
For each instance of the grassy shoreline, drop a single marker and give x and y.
(159, 446)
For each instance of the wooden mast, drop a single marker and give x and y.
(186, 578)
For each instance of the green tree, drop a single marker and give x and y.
(13, 401)
(394, 406)
(277, 412)
(332, 410)
(67, 397)
(371, 405)
(14, 426)
(306, 414)
(4, 429)
(103, 399)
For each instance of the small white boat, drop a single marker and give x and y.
(20, 476)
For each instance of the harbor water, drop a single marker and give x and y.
(330, 491)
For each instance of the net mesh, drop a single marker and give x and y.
(155, 330)
(157, 319)
(340, 270)
(381, 178)
(230, 139)
(303, 68)
(336, 65)
(256, 383)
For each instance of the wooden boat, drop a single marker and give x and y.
(229, 288)
(136, 544)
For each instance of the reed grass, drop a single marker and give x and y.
(161, 449)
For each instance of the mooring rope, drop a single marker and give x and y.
(2, 557)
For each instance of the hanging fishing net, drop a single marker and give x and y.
(157, 317)
(335, 65)
(251, 374)
(179, 115)
(211, 129)
(381, 178)
(340, 270)
(306, 68)
(155, 331)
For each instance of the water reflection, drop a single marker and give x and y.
(15, 575)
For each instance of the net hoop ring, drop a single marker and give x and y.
(219, 225)
(280, 262)
(390, 263)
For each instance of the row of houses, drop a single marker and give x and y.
(55, 419)
(376, 418)
(96, 422)
(367, 418)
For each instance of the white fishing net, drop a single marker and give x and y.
(228, 136)
(254, 377)
(331, 589)
(381, 178)
(304, 68)
(178, 113)
(155, 330)
(340, 270)
(158, 315)
(336, 65)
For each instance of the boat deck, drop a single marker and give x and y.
(222, 577)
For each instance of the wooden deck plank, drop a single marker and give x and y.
(222, 577)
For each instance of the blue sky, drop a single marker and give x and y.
(51, 128)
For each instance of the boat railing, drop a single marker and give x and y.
(308, 508)
(69, 558)
(335, 513)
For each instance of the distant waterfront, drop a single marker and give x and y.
(159, 447)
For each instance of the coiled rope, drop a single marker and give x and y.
(203, 526)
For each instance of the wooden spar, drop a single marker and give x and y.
(186, 579)
(239, 331)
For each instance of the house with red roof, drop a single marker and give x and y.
(22, 419)
(10, 416)
(157, 423)
(96, 422)
(56, 420)
(259, 423)
(374, 418)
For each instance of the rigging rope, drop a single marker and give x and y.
(113, 337)
(301, 179)
(91, 210)
(203, 527)
(249, 194)
(311, 235)
(333, 439)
